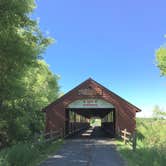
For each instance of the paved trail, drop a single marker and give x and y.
(89, 149)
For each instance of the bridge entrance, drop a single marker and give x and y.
(79, 113)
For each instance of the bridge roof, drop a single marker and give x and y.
(92, 89)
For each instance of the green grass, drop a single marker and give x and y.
(47, 150)
(151, 144)
(28, 154)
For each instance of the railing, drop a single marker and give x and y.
(49, 136)
(129, 138)
(75, 131)
(53, 135)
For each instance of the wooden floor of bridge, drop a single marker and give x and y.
(91, 133)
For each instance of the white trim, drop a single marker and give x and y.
(90, 103)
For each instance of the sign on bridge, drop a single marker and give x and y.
(90, 103)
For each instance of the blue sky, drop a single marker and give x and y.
(113, 42)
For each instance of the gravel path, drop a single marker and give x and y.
(95, 150)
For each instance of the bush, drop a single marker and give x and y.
(151, 144)
(22, 154)
(3, 157)
(28, 154)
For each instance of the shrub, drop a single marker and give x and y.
(22, 154)
(151, 144)
(3, 157)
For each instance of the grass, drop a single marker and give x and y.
(151, 144)
(28, 154)
(47, 150)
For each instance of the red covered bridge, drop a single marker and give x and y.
(72, 111)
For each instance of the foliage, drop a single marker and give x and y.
(21, 44)
(27, 85)
(28, 154)
(22, 154)
(95, 122)
(151, 146)
(46, 149)
(158, 113)
(161, 59)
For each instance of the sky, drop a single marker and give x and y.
(113, 42)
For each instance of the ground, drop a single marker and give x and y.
(90, 148)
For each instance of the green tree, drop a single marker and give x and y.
(158, 113)
(21, 44)
(41, 89)
(26, 83)
(161, 59)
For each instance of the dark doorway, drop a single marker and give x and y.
(78, 120)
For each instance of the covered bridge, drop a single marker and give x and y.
(73, 110)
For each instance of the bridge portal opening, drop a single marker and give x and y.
(81, 113)
(79, 119)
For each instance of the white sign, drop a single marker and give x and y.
(90, 103)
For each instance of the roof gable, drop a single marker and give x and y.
(90, 88)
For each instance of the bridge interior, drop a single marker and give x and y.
(78, 122)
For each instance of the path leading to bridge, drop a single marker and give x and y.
(90, 148)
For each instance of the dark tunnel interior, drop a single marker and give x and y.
(78, 121)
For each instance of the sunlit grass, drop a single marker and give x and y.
(151, 144)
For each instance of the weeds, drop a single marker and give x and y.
(27, 154)
(151, 144)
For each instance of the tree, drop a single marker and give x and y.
(41, 89)
(21, 44)
(26, 83)
(158, 113)
(161, 59)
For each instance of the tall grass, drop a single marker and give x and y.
(151, 144)
(27, 154)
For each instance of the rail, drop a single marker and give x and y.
(129, 138)
(48, 137)
(53, 135)
(76, 131)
